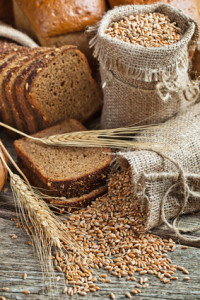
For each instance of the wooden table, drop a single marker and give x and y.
(17, 258)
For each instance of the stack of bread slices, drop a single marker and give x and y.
(78, 175)
(42, 86)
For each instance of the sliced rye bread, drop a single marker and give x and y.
(6, 58)
(5, 69)
(75, 202)
(64, 88)
(34, 121)
(3, 58)
(9, 82)
(66, 171)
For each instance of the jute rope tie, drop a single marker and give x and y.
(181, 181)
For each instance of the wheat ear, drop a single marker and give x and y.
(118, 138)
(46, 231)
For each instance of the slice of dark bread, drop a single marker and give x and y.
(9, 82)
(64, 88)
(76, 202)
(34, 120)
(66, 171)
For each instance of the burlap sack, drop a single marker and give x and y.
(144, 85)
(167, 182)
(6, 31)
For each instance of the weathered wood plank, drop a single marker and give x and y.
(17, 257)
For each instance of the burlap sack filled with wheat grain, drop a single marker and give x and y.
(144, 85)
(172, 173)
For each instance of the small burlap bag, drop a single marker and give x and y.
(144, 85)
(6, 31)
(167, 182)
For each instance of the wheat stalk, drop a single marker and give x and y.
(118, 138)
(45, 229)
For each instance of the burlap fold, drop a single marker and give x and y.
(144, 85)
(167, 182)
(6, 31)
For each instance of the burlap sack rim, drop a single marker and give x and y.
(100, 38)
(155, 7)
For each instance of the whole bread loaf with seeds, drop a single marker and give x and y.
(42, 86)
(60, 22)
(64, 171)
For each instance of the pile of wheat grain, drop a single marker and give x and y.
(108, 232)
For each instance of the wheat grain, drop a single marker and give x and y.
(147, 30)
(109, 232)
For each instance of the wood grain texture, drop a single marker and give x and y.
(17, 257)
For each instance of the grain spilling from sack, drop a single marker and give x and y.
(147, 30)
(144, 62)
(107, 231)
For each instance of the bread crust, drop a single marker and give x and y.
(52, 18)
(75, 202)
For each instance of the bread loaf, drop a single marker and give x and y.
(58, 22)
(3, 172)
(69, 172)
